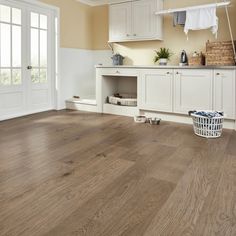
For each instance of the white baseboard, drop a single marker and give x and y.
(183, 119)
(120, 110)
(81, 107)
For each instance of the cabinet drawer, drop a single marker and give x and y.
(118, 72)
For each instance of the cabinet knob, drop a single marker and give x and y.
(117, 72)
(135, 34)
(127, 35)
(217, 73)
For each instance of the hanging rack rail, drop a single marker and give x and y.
(169, 11)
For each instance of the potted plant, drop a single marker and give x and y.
(163, 56)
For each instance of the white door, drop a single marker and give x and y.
(144, 19)
(193, 90)
(39, 57)
(25, 60)
(224, 92)
(120, 22)
(156, 90)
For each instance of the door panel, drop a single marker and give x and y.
(39, 36)
(12, 94)
(157, 90)
(120, 21)
(193, 90)
(224, 92)
(25, 59)
(144, 19)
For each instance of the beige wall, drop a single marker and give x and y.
(82, 26)
(87, 28)
(142, 53)
(76, 23)
(100, 27)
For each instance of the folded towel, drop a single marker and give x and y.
(199, 19)
(179, 18)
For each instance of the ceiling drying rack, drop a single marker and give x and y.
(224, 4)
(170, 11)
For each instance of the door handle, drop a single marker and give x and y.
(29, 67)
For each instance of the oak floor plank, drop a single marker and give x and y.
(73, 173)
(35, 212)
(187, 200)
(219, 214)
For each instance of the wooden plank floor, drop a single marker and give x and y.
(73, 173)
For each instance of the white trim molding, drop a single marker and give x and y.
(94, 3)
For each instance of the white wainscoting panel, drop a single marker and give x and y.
(77, 67)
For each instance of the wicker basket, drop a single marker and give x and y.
(124, 100)
(219, 53)
(197, 60)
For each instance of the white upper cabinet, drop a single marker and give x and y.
(120, 21)
(135, 21)
(193, 90)
(224, 91)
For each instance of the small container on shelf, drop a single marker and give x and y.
(197, 59)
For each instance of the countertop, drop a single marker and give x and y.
(165, 67)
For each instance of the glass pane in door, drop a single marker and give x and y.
(39, 47)
(10, 46)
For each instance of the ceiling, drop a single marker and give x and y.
(100, 2)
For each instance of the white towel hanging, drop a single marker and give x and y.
(199, 19)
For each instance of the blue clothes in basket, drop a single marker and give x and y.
(208, 114)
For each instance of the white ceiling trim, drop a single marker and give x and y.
(100, 2)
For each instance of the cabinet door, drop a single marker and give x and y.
(120, 22)
(156, 90)
(224, 92)
(193, 90)
(144, 20)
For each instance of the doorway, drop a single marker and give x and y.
(27, 59)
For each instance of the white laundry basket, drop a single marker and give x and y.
(207, 127)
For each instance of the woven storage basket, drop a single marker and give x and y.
(219, 53)
(126, 100)
(197, 60)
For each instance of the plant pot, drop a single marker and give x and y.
(163, 62)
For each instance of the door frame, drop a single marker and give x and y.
(55, 45)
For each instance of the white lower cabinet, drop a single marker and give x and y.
(224, 92)
(157, 90)
(193, 90)
(172, 90)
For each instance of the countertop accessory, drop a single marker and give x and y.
(197, 59)
(154, 121)
(140, 119)
(117, 59)
(163, 56)
(220, 53)
(207, 124)
(183, 58)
